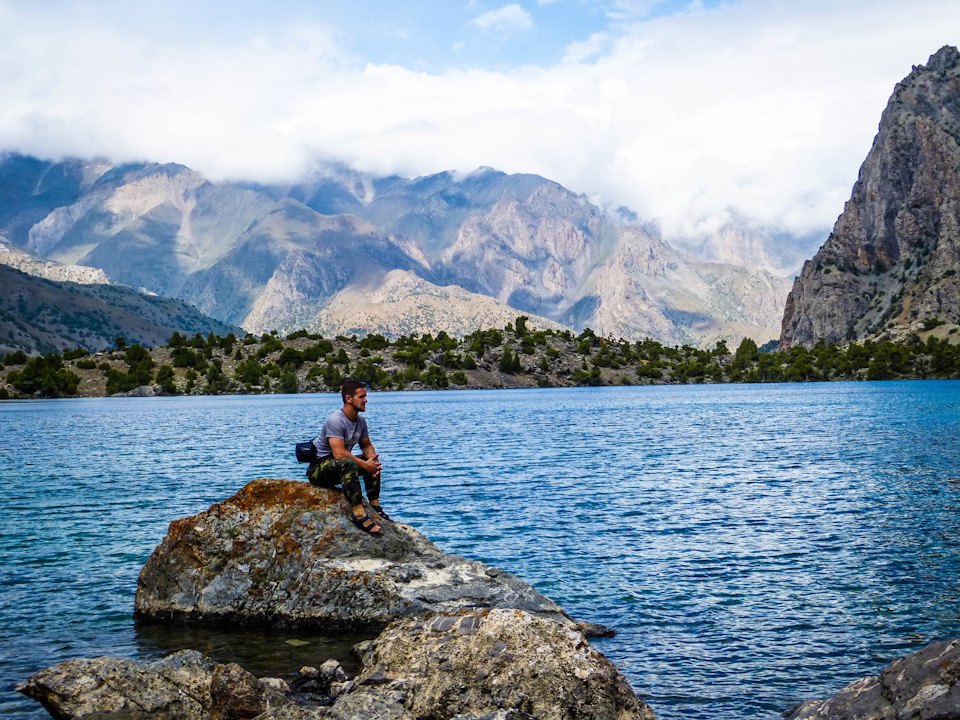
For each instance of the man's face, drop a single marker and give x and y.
(358, 400)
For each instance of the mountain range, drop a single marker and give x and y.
(351, 253)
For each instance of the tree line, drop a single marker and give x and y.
(514, 356)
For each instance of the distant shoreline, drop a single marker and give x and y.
(512, 358)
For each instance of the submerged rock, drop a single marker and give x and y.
(285, 553)
(922, 686)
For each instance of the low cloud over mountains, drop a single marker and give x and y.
(470, 251)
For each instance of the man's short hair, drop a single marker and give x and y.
(349, 387)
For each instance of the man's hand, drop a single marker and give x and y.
(371, 466)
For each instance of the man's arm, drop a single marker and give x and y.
(366, 447)
(368, 463)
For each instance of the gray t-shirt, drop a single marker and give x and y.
(338, 425)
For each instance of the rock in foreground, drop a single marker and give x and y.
(477, 662)
(474, 665)
(183, 686)
(920, 686)
(285, 553)
(464, 641)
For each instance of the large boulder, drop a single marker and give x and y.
(477, 662)
(920, 686)
(285, 553)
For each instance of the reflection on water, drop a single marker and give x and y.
(753, 546)
(265, 653)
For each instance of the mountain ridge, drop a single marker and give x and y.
(265, 257)
(40, 316)
(889, 268)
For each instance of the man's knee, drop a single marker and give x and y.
(346, 469)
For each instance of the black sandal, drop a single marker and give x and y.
(365, 523)
(381, 512)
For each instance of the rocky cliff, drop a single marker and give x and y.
(890, 265)
(27, 262)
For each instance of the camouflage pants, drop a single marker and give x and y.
(329, 473)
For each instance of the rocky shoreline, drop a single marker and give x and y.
(458, 640)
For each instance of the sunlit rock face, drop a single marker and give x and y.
(892, 260)
(476, 662)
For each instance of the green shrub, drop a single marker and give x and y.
(184, 357)
(509, 361)
(317, 351)
(248, 372)
(288, 382)
(45, 376)
(165, 379)
(374, 342)
(290, 356)
(270, 345)
(436, 377)
(17, 357)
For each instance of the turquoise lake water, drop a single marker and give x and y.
(753, 545)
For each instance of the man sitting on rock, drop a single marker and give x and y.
(337, 465)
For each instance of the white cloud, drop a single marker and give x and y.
(506, 19)
(764, 109)
(589, 49)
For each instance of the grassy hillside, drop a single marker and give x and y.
(42, 316)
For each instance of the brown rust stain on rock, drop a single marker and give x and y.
(267, 493)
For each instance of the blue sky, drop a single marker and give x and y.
(689, 113)
(425, 35)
